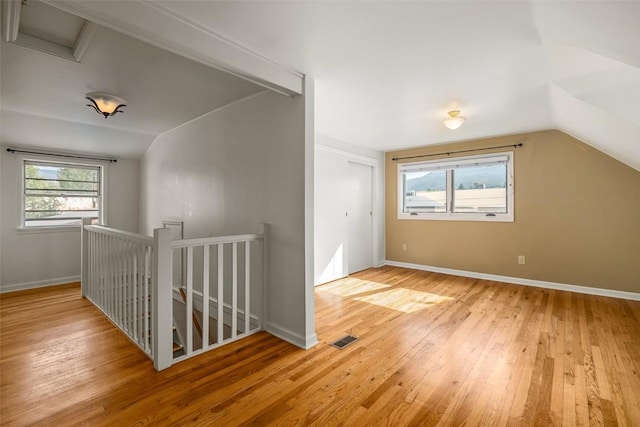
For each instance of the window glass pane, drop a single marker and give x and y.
(425, 191)
(60, 195)
(480, 189)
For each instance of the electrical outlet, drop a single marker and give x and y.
(404, 246)
(521, 259)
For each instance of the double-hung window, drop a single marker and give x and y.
(471, 188)
(61, 194)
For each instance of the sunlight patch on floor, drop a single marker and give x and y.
(352, 286)
(405, 300)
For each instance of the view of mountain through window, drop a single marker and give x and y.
(474, 187)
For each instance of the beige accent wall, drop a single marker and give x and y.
(577, 218)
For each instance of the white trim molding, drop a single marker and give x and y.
(291, 337)
(357, 158)
(100, 165)
(309, 214)
(11, 33)
(521, 281)
(161, 26)
(85, 40)
(38, 284)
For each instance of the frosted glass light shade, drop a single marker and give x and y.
(105, 104)
(454, 121)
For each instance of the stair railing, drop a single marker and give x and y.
(220, 285)
(129, 278)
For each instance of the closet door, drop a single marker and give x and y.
(330, 222)
(359, 217)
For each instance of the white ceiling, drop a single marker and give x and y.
(43, 105)
(387, 72)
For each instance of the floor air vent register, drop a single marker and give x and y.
(345, 341)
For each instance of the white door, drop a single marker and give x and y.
(330, 222)
(359, 217)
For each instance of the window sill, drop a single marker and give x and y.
(462, 217)
(62, 229)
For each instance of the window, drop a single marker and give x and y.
(61, 194)
(472, 188)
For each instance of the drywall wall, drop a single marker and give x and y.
(332, 159)
(228, 171)
(40, 258)
(576, 218)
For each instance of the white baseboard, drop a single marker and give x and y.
(38, 284)
(291, 337)
(520, 281)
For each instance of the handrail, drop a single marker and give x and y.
(120, 234)
(117, 278)
(215, 240)
(129, 277)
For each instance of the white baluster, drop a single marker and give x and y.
(205, 297)
(84, 260)
(109, 275)
(118, 271)
(131, 301)
(247, 286)
(189, 301)
(135, 281)
(234, 291)
(147, 291)
(220, 320)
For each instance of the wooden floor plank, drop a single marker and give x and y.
(454, 351)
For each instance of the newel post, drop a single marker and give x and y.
(84, 260)
(263, 228)
(162, 311)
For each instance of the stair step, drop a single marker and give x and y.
(177, 346)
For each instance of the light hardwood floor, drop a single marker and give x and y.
(432, 349)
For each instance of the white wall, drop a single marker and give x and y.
(40, 258)
(332, 159)
(228, 171)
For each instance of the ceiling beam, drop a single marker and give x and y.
(161, 27)
(84, 40)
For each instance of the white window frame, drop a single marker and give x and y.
(450, 164)
(102, 200)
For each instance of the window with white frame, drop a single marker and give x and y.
(470, 188)
(61, 194)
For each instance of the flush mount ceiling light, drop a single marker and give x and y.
(454, 121)
(105, 104)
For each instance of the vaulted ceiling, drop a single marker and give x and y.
(43, 89)
(387, 72)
